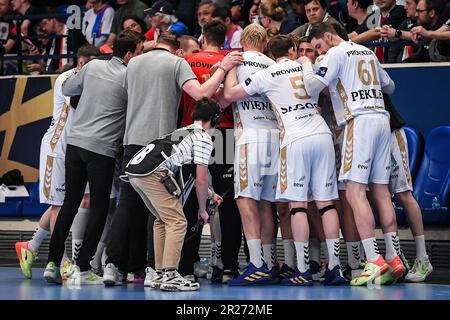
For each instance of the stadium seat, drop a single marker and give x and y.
(433, 178)
(415, 149)
(32, 208)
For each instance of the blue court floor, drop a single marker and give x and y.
(14, 287)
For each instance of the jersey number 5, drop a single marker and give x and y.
(297, 83)
(365, 75)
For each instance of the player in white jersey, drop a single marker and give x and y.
(358, 102)
(52, 175)
(256, 153)
(305, 142)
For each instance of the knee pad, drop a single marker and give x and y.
(325, 209)
(295, 210)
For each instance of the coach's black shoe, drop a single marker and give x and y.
(217, 275)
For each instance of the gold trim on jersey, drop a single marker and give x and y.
(280, 123)
(348, 157)
(283, 170)
(338, 155)
(243, 167)
(238, 127)
(344, 98)
(404, 154)
(60, 126)
(48, 176)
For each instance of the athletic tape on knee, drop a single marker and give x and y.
(295, 210)
(327, 208)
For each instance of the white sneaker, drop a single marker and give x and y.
(190, 277)
(420, 270)
(173, 281)
(111, 275)
(152, 278)
(80, 278)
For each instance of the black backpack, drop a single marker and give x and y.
(12, 177)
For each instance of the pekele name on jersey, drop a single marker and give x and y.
(299, 106)
(256, 105)
(359, 53)
(286, 71)
(367, 94)
(255, 64)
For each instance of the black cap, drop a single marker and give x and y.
(161, 6)
(237, 3)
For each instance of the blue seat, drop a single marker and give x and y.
(433, 178)
(415, 149)
(32, 208)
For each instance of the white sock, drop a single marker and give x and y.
(323, 246)
(354, 254)
(65, 256)
(38, 237)
(219, 262)
(213, 253)
(392, 245)
(314, 250)
(78, 229)
(421, 251)
(269, 254)
(289, 253)
(371, 249)
(334, 248)
(254, 248)
(302, 249)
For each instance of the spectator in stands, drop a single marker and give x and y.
(273, 16)
(128, 7)
(6, 38)
(389, 13)
(162, 17)
(92, 145)
(234, 31)
(153, 99)
(28, 26)
(400, 52)
(134, 23)
(204, 15)
(67, 42)
(430, 19)
(97, 22)
(298, 8)
(316, 12)
(188, 46)
(237, 7)
(358, 10)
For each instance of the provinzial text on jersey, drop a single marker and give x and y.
(286, 71)
(359, 53)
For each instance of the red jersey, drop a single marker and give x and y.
(201, 63)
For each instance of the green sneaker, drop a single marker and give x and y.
(26, 258)
(420, 270)
(385, 279)
(52, 273)
(65, 269)
(371, 271)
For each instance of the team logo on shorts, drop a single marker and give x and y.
(322, 71)
(248, 81)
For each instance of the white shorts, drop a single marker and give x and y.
(308, 170)
(366, 150)
(400, 179)
(338, 140)
(52, 179)
(255, 170)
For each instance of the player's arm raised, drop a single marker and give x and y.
(233, 90)
(312, 84)
(208, 88)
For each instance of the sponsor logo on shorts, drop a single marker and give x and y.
(248, 81)
(363, 167)
(297, 185)
(257, 184)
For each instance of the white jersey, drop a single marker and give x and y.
(254, 118)
(354, 78)
(54, 140)
(97, 25)
(296, 111)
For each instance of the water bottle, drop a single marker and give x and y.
(435, 203)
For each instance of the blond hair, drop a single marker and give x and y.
(254, 35)
(273, 10)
